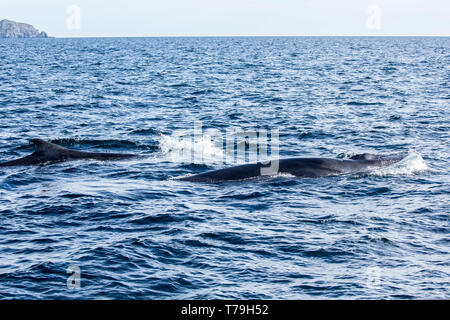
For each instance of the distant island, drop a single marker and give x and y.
(11, 29)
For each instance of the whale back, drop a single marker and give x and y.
(49, 152)
(53, 152)
(301, 167)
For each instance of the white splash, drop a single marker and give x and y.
(411, 164)
(283, 175)
(185, 149)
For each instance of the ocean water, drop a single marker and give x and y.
(131, 230)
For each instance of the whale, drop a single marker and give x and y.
(299, 167)
(47, 152)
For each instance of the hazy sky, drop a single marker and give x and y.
(114, 18)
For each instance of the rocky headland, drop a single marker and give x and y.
(11, 29)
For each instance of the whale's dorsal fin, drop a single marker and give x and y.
(47, 149)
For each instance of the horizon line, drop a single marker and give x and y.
(244, 36)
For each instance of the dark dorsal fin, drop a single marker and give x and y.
(365, 156)
(46, 148)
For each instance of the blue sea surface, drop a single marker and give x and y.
(131, 230)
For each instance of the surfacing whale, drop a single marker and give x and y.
(299, 167)
(47, 152)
